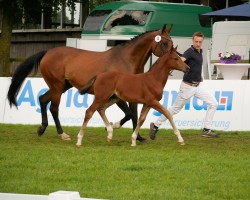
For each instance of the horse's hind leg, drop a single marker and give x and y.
(44, 100)
(128, 114)
(54, 109)
(53, 95)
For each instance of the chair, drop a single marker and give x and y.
(210, 66)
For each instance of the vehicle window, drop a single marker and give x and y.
(95, 20)
(127, 17)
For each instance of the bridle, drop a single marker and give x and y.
(163, 48)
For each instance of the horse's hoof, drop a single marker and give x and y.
(182, 143)
(116, 125)
(78, 145)
(133, 145)
(109, 140)
(65, 137)
(40, 130)
(111, 124)
(141, 139)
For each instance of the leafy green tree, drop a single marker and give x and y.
(16, 12)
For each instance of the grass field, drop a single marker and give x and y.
(203, 169)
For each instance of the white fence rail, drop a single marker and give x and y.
(59, 195)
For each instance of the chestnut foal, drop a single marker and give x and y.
(145, 88)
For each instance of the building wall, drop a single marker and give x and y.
(25, 43)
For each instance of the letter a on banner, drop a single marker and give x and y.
(26, 95)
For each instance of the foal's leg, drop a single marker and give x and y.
(133, 108)
(88, 114)
(176, 130)
(130, 113)
(157, 106)
(108, 125)
(141, 120)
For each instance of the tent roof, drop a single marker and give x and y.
(242, 10)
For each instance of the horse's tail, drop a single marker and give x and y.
(22, 71)
(88, 85)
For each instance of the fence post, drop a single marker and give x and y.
(64, 195)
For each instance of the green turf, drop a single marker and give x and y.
(205, 168)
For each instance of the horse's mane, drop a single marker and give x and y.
(135, 38)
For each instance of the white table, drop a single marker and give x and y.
(232, 71)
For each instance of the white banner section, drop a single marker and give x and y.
(232, 113)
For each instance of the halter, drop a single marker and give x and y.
(163, 49)
(162, 46)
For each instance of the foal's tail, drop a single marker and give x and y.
(22, 71)
(87, 86)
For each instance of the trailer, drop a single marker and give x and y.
(116, 22)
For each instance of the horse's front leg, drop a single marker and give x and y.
(141, 120)
(176, 131)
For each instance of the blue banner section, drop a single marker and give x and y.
(231, 114)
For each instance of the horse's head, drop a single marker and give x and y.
(162, 42)
(174, 61)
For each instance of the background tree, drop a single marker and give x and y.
(16, 13)
(9, 12)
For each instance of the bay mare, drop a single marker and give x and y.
(66, 67)
(145, 88)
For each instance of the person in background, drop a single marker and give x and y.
(191, 86)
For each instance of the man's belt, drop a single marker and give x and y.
(194, 84)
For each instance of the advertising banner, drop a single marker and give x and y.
(231, 114)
